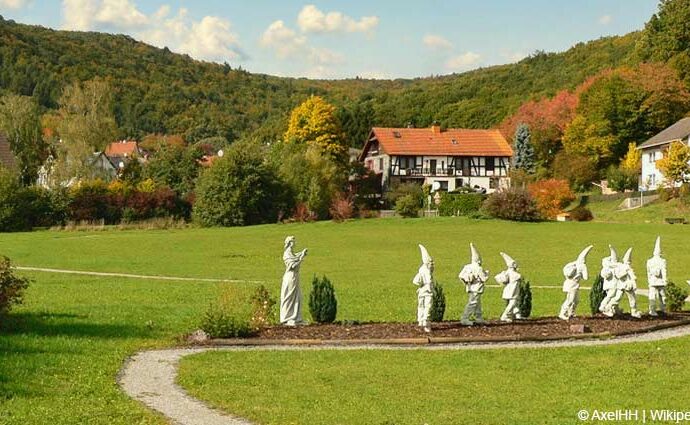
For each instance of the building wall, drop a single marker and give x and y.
(651, 177)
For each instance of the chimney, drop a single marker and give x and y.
(436, 128)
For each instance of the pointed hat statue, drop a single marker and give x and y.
(614, 254)
(583, 255)
(508, 259)
(627, 255)
(426, 258)
(657, 247)
(476, 258)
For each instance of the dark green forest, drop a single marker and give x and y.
(158, 91)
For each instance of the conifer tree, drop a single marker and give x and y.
(524, 151)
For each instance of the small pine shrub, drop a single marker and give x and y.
(438, 304)
(263, 309)
(407, 206)
(525, 299)
(596, 294)
(322, 303)
(219, 322)
(675, 297)
(11, 286)
(581, 214)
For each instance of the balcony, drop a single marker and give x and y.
(426, 172)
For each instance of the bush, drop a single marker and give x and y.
(407, 206)
(525, 299)
(551, 196)
(91, 201)
(675, 296)
(438, 304)
(460, 204)
(581, 214)
(263, 309)
(11, 286)
(404, 189)
(579, 170)
(621, 179)
(218, 322)
(596, 294)
(322, 303)
(302, 214)
(23, 208)
(342, 207)
(239, 189)
(511, 204)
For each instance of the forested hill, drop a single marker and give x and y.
(158, 91)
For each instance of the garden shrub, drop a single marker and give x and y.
(219, 322)
(438, 304)
(581, 214)
(675, 296)
(342, 207)
(621, 179)
(302, 213)
(525, 299)
(453, 204)
(596, 294)
(322, 303)
(551, 196)
(91, 201)
(404, 189)
(11, 286)
(407, 206)
(263, 309)
(511, 204)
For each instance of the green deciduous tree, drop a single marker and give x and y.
(176, 167)
(674, 165)
(20, 120)
(315, 123)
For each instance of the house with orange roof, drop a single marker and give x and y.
(123, 151)
(446, 159)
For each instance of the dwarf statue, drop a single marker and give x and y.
(474, 277)
(510, 279)
(573, 272)
(290, 292)
(626, 283)
(656, 277)
(424, 279)
(608, 267)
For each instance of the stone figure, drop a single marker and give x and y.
(656, 277)
(424, 279)
(626, 284)
(510, 279)
(290, 292)
(608, 267)
(474, 277)
(573, 272)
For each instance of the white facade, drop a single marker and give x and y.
(651, 177)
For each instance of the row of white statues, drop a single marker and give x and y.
(618, 277)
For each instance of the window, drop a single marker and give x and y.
(380, 164)
(489, 163)
(651, 157)
(443, 185)
(458, 183)
(397, 134)
(493, 183)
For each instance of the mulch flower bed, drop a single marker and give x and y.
(539, 328)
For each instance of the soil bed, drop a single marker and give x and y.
(531, 329)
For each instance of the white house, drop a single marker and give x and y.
(654, 148)
(452, 158)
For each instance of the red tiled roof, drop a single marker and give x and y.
(450, 142)
(7, 159)
(123, 148)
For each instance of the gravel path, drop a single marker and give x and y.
(150, 376)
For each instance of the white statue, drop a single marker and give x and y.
(424, 279)
(626, 283)
(510, 278)
(656, 277)
(474, 277)
(290, 292)
(573, 272)
(608, 266)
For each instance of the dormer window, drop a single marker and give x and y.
(397, 135)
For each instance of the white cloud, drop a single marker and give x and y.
(436, 42)
(210, 38)
(12, 4)
(283, 40)
(463, 62)
(311, 19)
(605, 19)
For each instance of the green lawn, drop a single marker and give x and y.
(60, 352)
(523, 386)
(655, 212)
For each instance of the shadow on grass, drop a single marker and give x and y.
(71, 325)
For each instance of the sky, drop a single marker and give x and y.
(344, 39)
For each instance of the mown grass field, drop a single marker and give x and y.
(60, 352)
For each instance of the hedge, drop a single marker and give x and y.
(456, 204)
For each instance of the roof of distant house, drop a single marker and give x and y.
(678, 131)
(7, 159)
(125, 148)
(435, 141)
